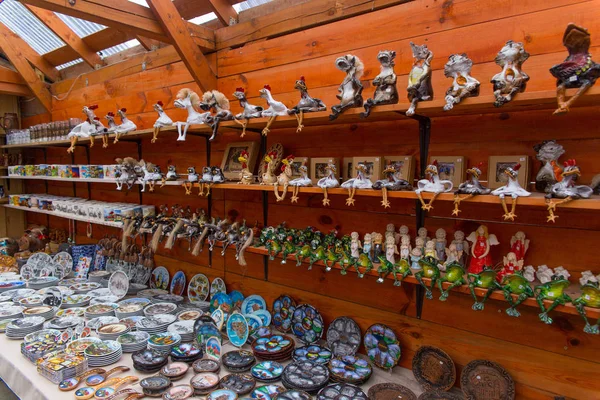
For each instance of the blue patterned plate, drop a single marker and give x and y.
(237, 329)
(253, 303)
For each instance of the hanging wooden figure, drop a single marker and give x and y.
(162, 121)
(385, 83)
(86, 129)
(419, 78)
(112, 125)
(350, 91)
(187, 99)
(330, 180)
(511, 80)
(276, 108)
(471, 187)
(218, 103)
(566, 190)
(302, 181)
(249, 110)
(464, 85)
(284, 177)
(360, 182)
(126, 125)
(393, 181)
(435, 186)
(512, 189)
(306, 104)
(578, 70)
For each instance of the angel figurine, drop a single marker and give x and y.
(452, 256)
(480, 249)
(355, 245)
(440, 244)
(405, 248)
(306, 104)
(513, 189)
(403, 231)
(511, 264)
(430, 250)
(367, 245)
(519, 245)
(329, 181)
(462, 246)
(415, 256)
(435, 186)
(391, 249)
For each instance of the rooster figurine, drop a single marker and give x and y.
(249, 110)
(435, 186)
(566, 189)
(276, 108)
(268, 177)
(513, 189)
(330, 180)
(284, 177)
(302, 181)
(306, 104)
(360, 182)
(162, 121)
(246, 177)
(85, 129)
(471, 187)
(126, 125)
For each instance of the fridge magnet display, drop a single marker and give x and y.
(276, 108)
(385, 83)
(306, 104)
(233, 161)
(350, 90)
(419, 78)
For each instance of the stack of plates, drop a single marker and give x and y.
(133, 341)
(346, 391)
(199, 305)
(10, 285)
(204, 383)
(149, 360)
(206, 365)
(155, 324)
(112, 331)
(131, 307)
(12, 293)
(349, 369)
(79, 345)
(185, 329)
(100, 310)
(97, 276)
(47, 312)
(267, 371)
(155, 386)
(305, 375)
(241, 384)
(43, 282)
(96, 323)
(150, 293)
(167, 298)
(21, 327)
(104, 353)
(314, 353)
(75, 311)
(10, 312)
(101, 292)
(62, 323)
(186, 352)
(132, 321)
(160, 308)
(85, 287)
(33, 300)
(189, 315)
(164, 341)
(238, 360)
(273, 348)
(76, 300)
(104, 299)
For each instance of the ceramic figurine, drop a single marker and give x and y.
(329, 181)
(246, 176)
(318, 255)
(452, 256)
(391, 249)
(471, 187)
(204, 181)
(512, 79)
(377, 247)
(355, 245)
(544, 274)
(440, 244)
(385, 83)
(249, 110)
(529, 273)
(485, 279)
(422, 233)
(578, 70)
(511, 264)
(429, 269)
(519, 245)
(390, 230)
(548, 152)
(217, 102)
(171, 175)
(419, 78)
(268, 177)
(302, 181)
(513, 189)
(430, 249)
(566, 189)
(284, 177)
(415, 256)
(162, 121)
(188, 99)
(367, 247)
(561, 271)
(276, 108)
(364, 262)
(125, 173)
(218, 176)
(553, 291)
(192, 177)
(462, 246)
(480, 249)
(112, 125)
(306, 104)
(360, 182)
(405, 248)
(464, 85)
(86, 129)
(126, 125)
(152, 174)
(435, 186)
(590, 297)
(392, 181)
(588, 277)
(515, 284)
(455, 275)
(400, 270)
(403, 231)
(350, 91)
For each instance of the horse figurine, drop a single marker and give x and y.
(330, 180)
(419, 78)
(464, 85)
(126, 125)
(306, 104)
(385, 83)
(276, 108)
(112, 125)
(188, 99)
(512, 79)
(217, 101)
(162, 121)
(435, 186)
(152, 174)
(85, 129)
(249, 110)
(350, 91)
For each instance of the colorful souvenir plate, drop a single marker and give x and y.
(141, 301)
(221, 300)
(350, 369)
(217, 286)
(204, 381)
(205, 330)
(307, 323)
(382, 346)
(159, 308)
(179, 392)
(237, 329)
(239, 383)
(386, 391)
(174, 370)
(343, 336)
(43, 335)
(185, 350)
(283, 311)
(238, 360)
(75, 311)
(164, 339)
(267, 392)
(305, 375)
(219, 317)
(253, 303)
(254, 322)
(149, 357)
(178, 283)
(159, 278)
(199, 288)
(273, 344)
(118, 284)
(106, 347)
(9, 285)
(337, 391)
(222, 394)
(133, 338)
(149, 293)
(79, 345)
(264, 316)
(112, 329)
(131, 321)
(213, 348)
(155, 384)
(237, 298)
(267, 371)
(479, 376)
(433, 369)
(75, 299)
(293, 394)
(102, 308)
(189, 315)
(312, 352)
(206, 365)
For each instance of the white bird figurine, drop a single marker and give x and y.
(206, 179)
(329, 181)
(512, 189)
(162, 121)
(126, 125)
(435, 185)
(112, 125)
(360, 182)
(276, 108)
(85, 129)
(297, 183)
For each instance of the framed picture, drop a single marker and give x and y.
(347, 171)
(231, 166)
(497, 165)
(451, 168)
(317, 167)
(373, 165)
(298, 161)
(407, 168)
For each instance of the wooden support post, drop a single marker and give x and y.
(225, 12)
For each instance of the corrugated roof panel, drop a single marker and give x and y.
(105, 53)
(238, 7)
(81, 27)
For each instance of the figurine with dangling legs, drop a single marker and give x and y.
(419, 78)
(276, 108)
(162, 121)
(392, 181)
(246, 176)
(302, 181)
(566, 189)
(284, 177)
(306, 104)
(329, 181)
(385, 83)
(126, 125)
(192, 178)
(249, 110)
(187, 100)
(435, 186)
(205, 181)
(84, 129)
(471, 188)
(110, 118)
(350, 91)
(512, 79)
(513, 189)
(215, 100)
(360, 182)
(268, 177)
(464, 85)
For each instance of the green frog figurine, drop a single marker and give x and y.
(486, 279)
(363, 262)
(590, 297)
(346, 261)
(384, 268)
(332, 258)
(455, 274)
(429, 269)
(553, 291)
(288, 248)
(401, 270)
(273, 248)
(318, 255)
(303, 254)
(515, 284)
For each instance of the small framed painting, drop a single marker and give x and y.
(406, 163)
(451, 168)
(497, 165)
(347, 171)
(373, 165)
(318, 165)
(231, 164)
(298, 162)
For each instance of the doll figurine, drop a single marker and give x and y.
(306, 104)
(390, 230)
(219, 104)
(403, 231)
(462, 246)
(511, 80)
(246, 176)
(329, 181)
(302, 181)
(464, 85)
(284, 177)
(480, 249)
(415, 256)
(471, 187)
(519, 245)
(377, 247)
(440, 244)
(435, 186)
(367, 245)
(548, 152)
(578, 70)
(355, 245)
(249, 110)
(430, 250)
(385, 83)
(360, 182)
(513, 189)
(391, 249)
(350, 91)
(405, 248)
(420, 244)
(419, 78)
(511, 265)
(276, 108)
(566, 189)
(162, 121)
(392, 181)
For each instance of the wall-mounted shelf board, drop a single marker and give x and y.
(67, 216)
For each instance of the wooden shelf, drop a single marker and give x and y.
(4, 200)
(67, 216)
(83, 180)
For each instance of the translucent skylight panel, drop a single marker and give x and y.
(82, 28)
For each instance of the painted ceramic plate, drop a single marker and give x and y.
(267, 392)
(104, 348)
(479, 376)
(283, 311)
(307, 323)
(189, 315)
(313, 352)
(382, 346)
(305, 375)
(264, 316)
(293, 394)
(240, 360)
(118, 284)
(237, 329)
(222, 301)
(185, 350)
(206, 330)
(273, 344)
(254, 322)
(350, 369)
(337, 391)
(179, 392)
(204, 381)
(237, 298)
(253, 303)
(222, 394)
(385, 391)
(79, 345)
(267, 370)
(75, 311)
(219, 317)
(164, 339)
(159, 308)
(199, 288)
(433, 369)
(178, 283)
(239, 383)
(217, 286)
(159, 278)
(149, 293)
(213, 347)
(344, 336)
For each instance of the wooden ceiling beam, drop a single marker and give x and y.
(66, 34)
(176, 28)
(14, 89)
(189, 9)
(224, 11)
(9, 76)
(148, 44)
(14, 53)
(30, 54)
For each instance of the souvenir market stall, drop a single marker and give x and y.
(380, 200)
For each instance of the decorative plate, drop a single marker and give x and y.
(156, 321)
(253, 303)
(312, 352)
(213, 348)
(219, 317)
(149, 357)
(479, 377)
(343, 336)
(267, 371)
(102, 308)
(273, 344)
(437, 395)
(118, 284)
(178, 283)
(206, 365)
(79, 345)
(239, 383)
(337, 391)
(199, 288)
(52, 297)
(133, 338)
(11, 285)
(238, 359)
(254, 321)
(189, 315)
(293, 394)
(159, 308)
(305, 375)
(267, 392)
(433, 369)
(387, 391)
(382, 346)
(75, 311)
(350, 369)
(204, 381)
(131, 321)
(217, 286)
(149, 293)
(159, 278)
(283, 311)
(76, 299)
(155, 383)
(307, 323)
(174, 370)
(112, 329)
(264, 316)
(97, 322)
(237, 329)
(205, 330)
(168, 298)
(104, 348)
(185, 350)
(164, 339)
(65, 260)
(221, 300)
(179, 392)
(222, 394)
